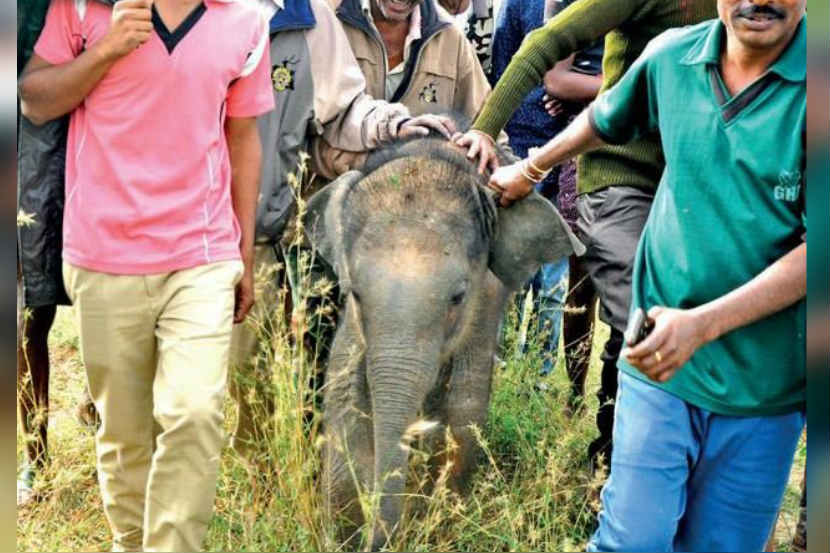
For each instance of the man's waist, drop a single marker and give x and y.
(639, 164)
(148, 263)
(730, 400)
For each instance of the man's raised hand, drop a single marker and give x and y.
(510, 183)
(130, 26)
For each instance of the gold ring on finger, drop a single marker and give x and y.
(658, 356)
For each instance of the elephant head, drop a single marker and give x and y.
(413, 237)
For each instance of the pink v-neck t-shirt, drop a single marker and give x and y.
(148, 177)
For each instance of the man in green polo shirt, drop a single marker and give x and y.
(616, 184)
(711, 403)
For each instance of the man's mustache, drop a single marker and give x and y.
(753, 10)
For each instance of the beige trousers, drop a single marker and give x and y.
(156, 348)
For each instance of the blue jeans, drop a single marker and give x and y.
(549, 286)
(685, 479)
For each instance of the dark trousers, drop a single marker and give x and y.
(605, 395)
(610, 223)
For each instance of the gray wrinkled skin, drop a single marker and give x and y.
(426, 262)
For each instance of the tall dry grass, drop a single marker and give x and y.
(532, 492)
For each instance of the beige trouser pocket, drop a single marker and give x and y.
(156, 348)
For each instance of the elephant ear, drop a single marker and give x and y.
(323, 221)
(530, 233)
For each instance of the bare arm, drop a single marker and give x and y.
(245, 152)
(679, 333)
(560, 82)
(49, 91)
(511, 180)
(577, 138)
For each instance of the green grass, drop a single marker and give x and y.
(533, 491)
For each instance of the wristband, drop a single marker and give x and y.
(533, 166)
(523, 168)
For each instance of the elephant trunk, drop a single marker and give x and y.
(398, 388)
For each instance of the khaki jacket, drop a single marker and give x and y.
(319, 91)
(446, 75)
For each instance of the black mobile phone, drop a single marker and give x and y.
(639, 326)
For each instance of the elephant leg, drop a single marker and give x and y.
(464, 413)
(468, 396)
(347, 472)
(348, 452)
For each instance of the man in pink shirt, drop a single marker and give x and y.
(162, 168)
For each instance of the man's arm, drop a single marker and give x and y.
(564, 84)
(245, 153)
(623, 112)
(512, 182)
(678, 333)
(573, 29)
(49, 91)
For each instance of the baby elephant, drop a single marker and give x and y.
(426, 262)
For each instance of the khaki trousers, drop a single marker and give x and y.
(156, 349)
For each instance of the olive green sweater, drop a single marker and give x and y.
(628, 25)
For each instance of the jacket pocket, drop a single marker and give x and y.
(430, 92)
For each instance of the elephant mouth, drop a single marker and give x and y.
(438, 391)
(417, 429)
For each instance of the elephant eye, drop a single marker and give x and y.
(458, 298)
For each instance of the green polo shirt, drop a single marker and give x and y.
(729, 204)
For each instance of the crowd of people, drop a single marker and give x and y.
(156, 142)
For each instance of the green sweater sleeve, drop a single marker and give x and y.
(575, 28)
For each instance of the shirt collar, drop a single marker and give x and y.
(267, 7)
(791, 65)
(414, 28)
